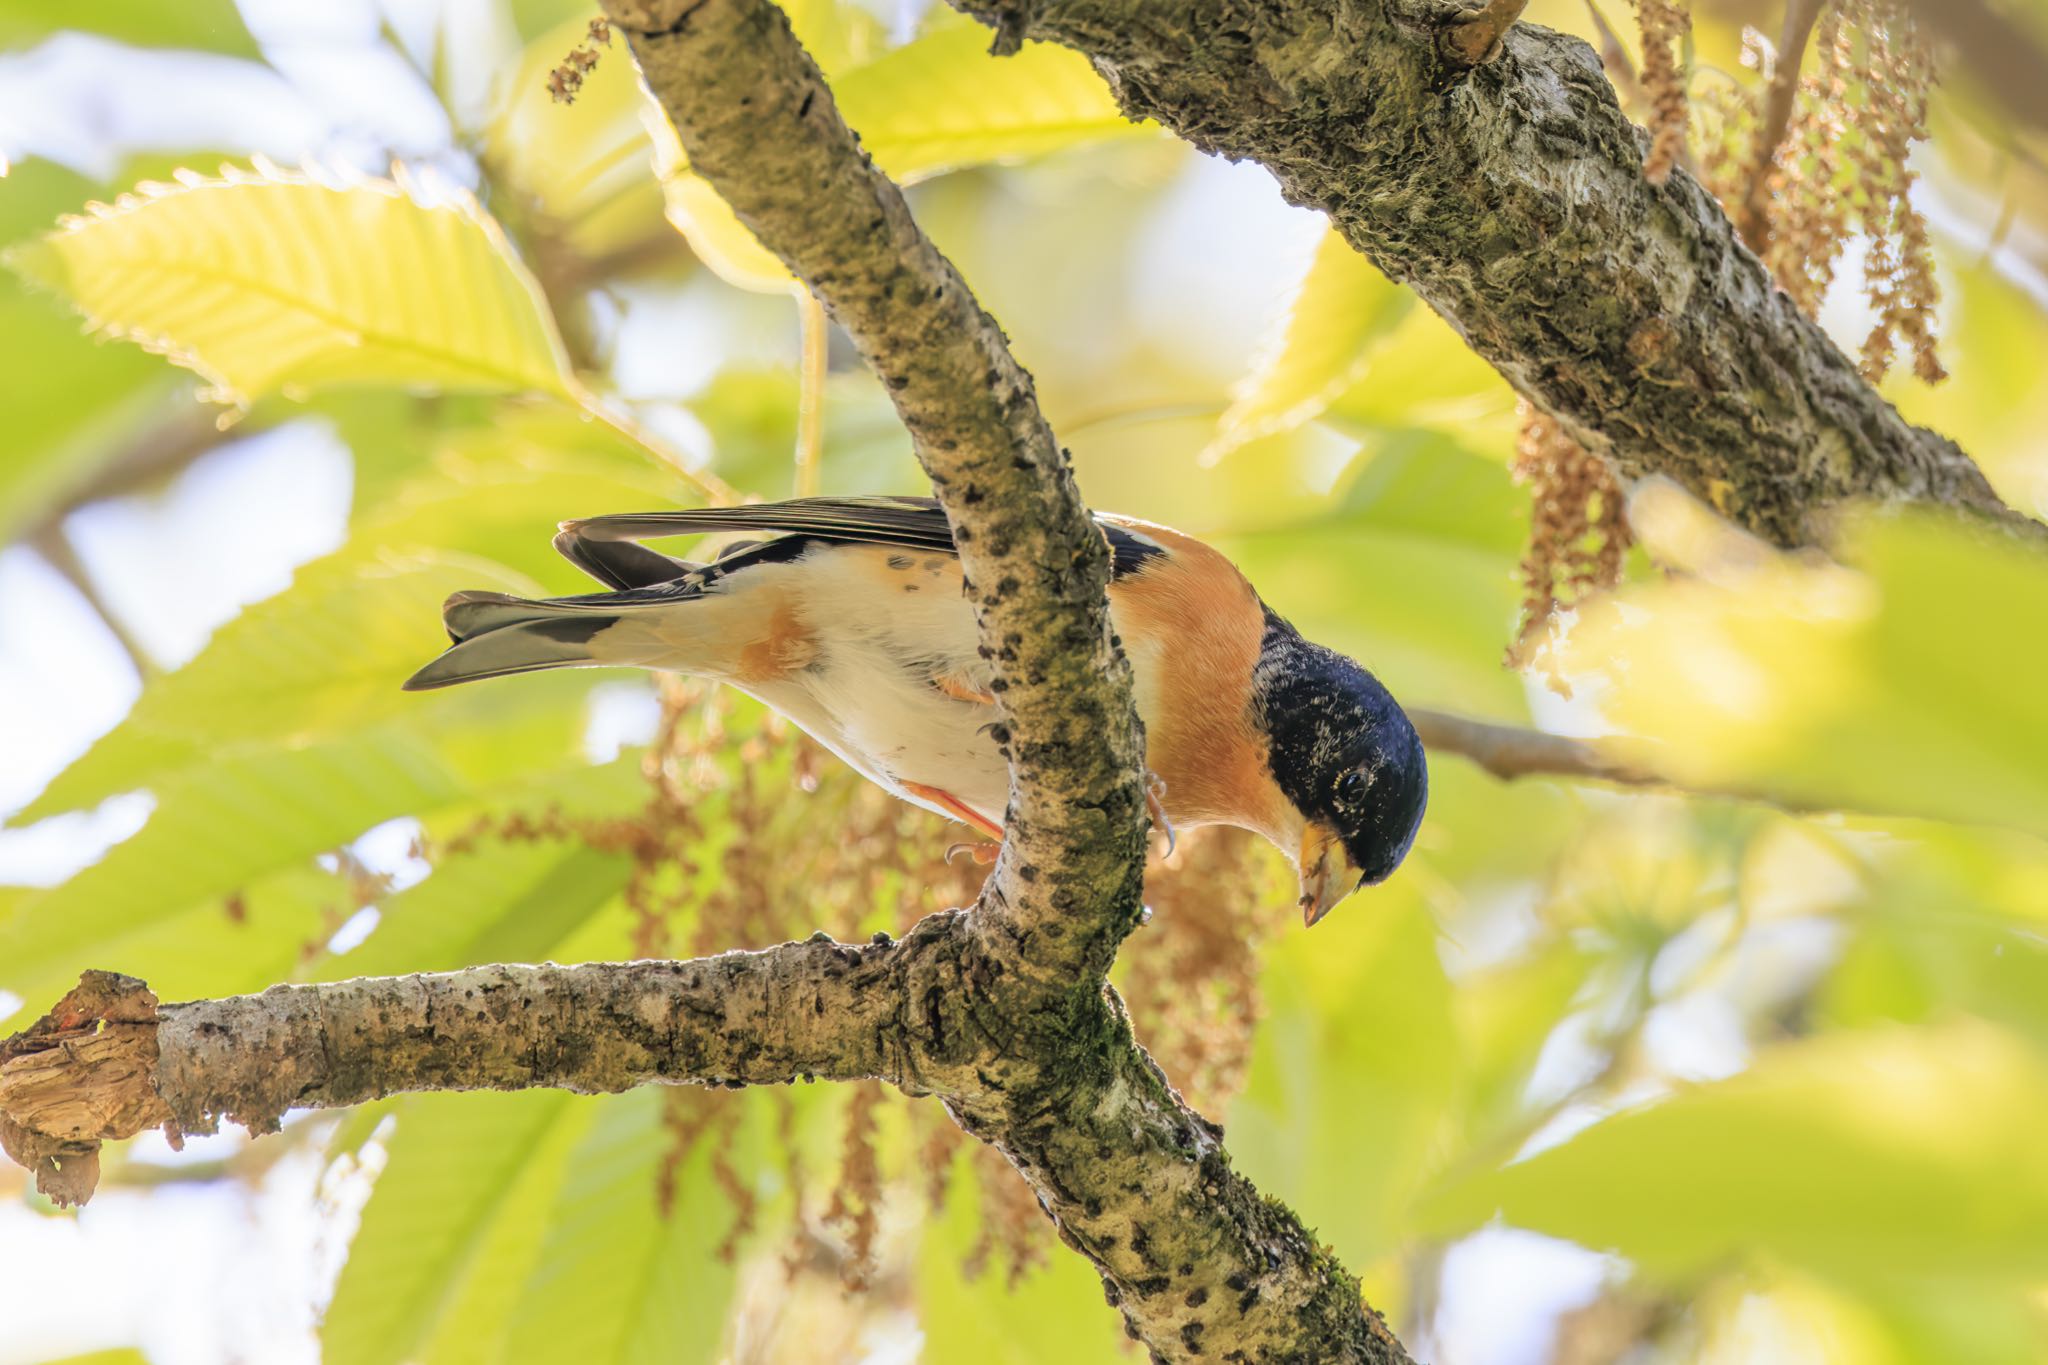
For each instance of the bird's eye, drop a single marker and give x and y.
(1351, 787)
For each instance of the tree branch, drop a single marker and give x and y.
(1510, 751)
(1198, 1262)
(1200, 1265)
(1779, 98)
(54, 544)
(1511, 198)
(1003, 1011)
(758, 122)
(109, 1061)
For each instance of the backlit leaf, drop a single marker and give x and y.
(208, 25)
(70, 401)
(1864, 1155)
(452, 1225)
(322, 657)
(1838, 687)
(329, 652)
(1341, 313)
(616, 1280)
(582, 167)
(936, 104)
(1054, 1312)
(943, 102)
(1354, 1071)
(265, 280)
(220, 827)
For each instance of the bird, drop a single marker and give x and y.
(849, 616)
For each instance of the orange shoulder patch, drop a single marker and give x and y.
(783, 645)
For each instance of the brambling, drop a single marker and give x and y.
(851, 620)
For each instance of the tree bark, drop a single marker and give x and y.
(1510, 196)
(1200, 1265)
(1002, 1011)
(759, 123)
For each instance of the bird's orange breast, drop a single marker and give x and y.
(1192, 626)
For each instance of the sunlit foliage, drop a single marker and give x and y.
(1778, 1053)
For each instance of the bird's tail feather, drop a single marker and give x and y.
(496, 634)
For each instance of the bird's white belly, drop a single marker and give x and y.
(869, 692)
(886, 626)
(895, 732)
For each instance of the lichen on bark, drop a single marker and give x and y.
(1511, 196)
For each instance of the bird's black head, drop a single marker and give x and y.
(1343, 752)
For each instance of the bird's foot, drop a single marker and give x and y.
(981, 855)
(1155, 802)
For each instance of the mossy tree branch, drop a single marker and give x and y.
(1133, 1179)
(1510, 196)
(1200, 1265)
(758, 121)
(109, 1061)
(1002, 1011)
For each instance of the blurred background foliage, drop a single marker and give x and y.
(1758, 1073)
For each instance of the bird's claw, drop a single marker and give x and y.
(1155, 802)
(981, 855)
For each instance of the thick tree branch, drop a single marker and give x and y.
(1198, 1262)
(1511, 197)
(1002, 1011)
(758, 122)
(1200, 1265)
(109, 1061)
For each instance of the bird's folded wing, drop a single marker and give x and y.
(914, 523)
(903, 522)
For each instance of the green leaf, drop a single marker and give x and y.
(506, 901)
(585, 168)
(217, 828)
(726, 246)
(208, 25)
(327, 654)
(536, 19)
(1424, 374)
(751, 414)
(1368, 1014)
(245, 940)
(452, 1226)
(222, 826)
(615, 1281)
(936, 104)
(943, 102)
(70, 402)
(1342, 312)
(1055, 1313)
(1952, 920)
(1505, 1015)
(265, 281)
(319, 659)
(1422, 595)
(1911, 687)
(1865, 1156)
(1417, 481)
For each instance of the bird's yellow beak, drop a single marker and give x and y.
(1327, 873)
